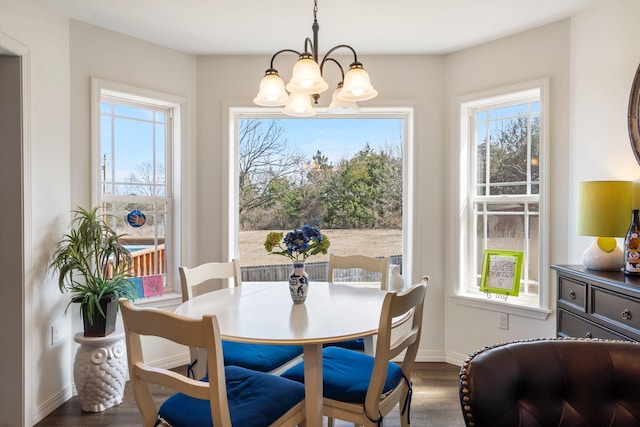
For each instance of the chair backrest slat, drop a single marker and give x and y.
(347, 262)
(198, 280)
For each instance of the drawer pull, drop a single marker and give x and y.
(626, 314)
(572, 295)
(588, 335)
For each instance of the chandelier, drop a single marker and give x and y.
(307, 82)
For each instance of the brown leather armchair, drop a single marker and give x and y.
(551, 382)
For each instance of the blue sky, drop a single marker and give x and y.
(336, 138)
(342, 137)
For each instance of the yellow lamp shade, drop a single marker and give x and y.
(604, 208)
(635, 201)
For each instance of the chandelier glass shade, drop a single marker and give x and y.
(307, 83)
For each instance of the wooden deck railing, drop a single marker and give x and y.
(146, 263)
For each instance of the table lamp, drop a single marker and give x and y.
(604, 211)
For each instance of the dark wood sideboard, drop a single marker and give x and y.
(597, 304)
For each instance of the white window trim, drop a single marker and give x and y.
(178, 157)
(459, 152)
(410, 249)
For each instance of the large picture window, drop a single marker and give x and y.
(345, 175)
(501, 181)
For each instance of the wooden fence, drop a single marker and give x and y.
(146, 263)
(315, 270)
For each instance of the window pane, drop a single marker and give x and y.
(343, 175)
(144, 238)
(133, 112)
(534, 248)
(502, 226)
(514, 110)
(106, 107)
(134, 191)
(513, 156)
(481, 157)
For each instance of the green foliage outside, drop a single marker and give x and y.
(280, 189)
(508, 158)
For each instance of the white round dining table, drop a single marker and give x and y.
(263, 312)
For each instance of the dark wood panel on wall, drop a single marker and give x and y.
(11, 235)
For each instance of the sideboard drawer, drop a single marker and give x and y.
(616, 309)
(572, 293)
(570, 325)
(597, 303)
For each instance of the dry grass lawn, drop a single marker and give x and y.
(343, 242)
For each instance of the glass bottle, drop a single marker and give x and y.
(632, 246)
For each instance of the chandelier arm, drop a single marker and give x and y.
(279, 52)
(314, 52)
(333, 49)
(335, 62)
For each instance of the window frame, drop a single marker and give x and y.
(462, 181)
(176, 228)
(406, 113)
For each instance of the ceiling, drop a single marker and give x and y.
(209, 27)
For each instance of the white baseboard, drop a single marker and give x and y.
(171, 362)
(430, 356)
(456, 358)
(52, 404)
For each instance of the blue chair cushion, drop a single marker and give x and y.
(346, 374)
(259, 357)
(255, 399)
(356, 344)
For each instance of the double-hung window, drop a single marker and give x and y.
(135, 180)
(501, 186)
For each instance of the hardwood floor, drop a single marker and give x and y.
(435, 403)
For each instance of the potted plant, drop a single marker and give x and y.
(94, 267)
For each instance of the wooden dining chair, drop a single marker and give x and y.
(229, 396)
(362, 389)
(354, 269)
(208, 277)
(358, 269)
(260, 357)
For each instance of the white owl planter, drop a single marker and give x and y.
(100, 371)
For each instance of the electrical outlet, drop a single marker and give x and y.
(503, 321)
(56, 334)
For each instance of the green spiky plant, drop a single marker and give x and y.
(91, 263)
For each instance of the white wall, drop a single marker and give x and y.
(605, 52)
(539, 53)
(46, 375)
(107, 55)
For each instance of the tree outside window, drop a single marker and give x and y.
(354, 193)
